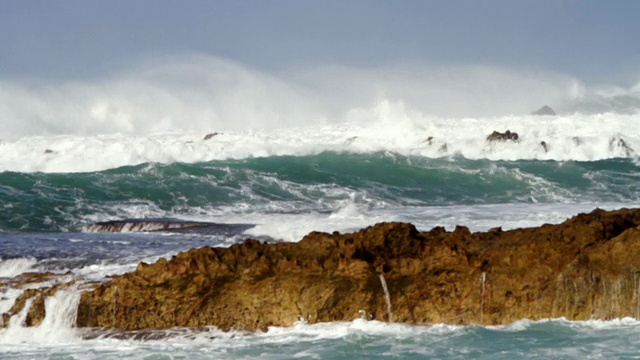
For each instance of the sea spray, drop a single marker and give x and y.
(12, 267)
(61, 312)
(15, 330)
(57, 325)
(206, 93)
(573, 137)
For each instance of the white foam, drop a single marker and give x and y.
(575, 137)
(61, 312)
(7, 299)
(12, 267)
(56, 327)
(292, 227)
(334, 330)
(320, 340)
(626, 322)
(160, 112)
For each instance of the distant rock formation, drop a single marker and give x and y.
(505, 136)
(173, 225)
(545, 110)
(585, 268)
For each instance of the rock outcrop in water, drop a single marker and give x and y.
(544, 111)
(171, 225)
(587, 267)
(505, 136)
(210, 136)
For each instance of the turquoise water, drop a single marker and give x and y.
(313, 183)
(552, 339)
(43, 219)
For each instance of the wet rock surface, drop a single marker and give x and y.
(587, 267)
(505, 136)
(167, 225)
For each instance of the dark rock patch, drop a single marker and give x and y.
(211, 135)
(544, 146)
(505, 136)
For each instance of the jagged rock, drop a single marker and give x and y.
(584, 268)
(545, 110)
(210, 135)
(505, 136)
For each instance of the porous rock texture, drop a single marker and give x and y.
(587, 267)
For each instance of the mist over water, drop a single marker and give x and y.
(202, 93)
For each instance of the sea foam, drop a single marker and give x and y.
(388, 127)
(161, 110)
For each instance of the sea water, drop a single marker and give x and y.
(280, 184)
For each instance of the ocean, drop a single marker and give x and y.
(278, 184)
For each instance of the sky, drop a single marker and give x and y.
(591, 39)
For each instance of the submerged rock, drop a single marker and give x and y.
(587, 267)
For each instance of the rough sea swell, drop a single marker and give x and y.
(282, 184)
(322, 183)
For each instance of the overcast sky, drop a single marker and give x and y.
(592, 40)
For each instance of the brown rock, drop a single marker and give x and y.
(587, 267)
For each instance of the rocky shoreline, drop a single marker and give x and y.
(587, 267)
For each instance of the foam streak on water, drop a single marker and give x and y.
(556, 338)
